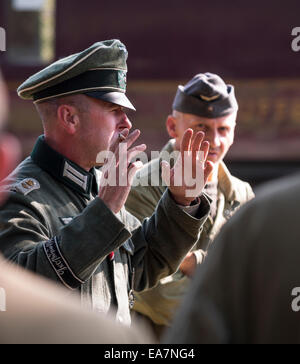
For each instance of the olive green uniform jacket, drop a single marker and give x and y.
(55, 225)
(247, 290)
(160, 302)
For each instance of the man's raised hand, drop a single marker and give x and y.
(189, 176)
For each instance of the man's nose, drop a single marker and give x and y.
(125, 123)
(214, 139)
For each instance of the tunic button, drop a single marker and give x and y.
(227, 213)
(131, 299)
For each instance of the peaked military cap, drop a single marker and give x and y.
(99, 72)
(206, 95)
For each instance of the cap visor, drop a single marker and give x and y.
(117, 98)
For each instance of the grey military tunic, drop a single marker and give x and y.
(55, 225)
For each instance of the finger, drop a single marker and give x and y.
(205, 149)
(125, 139)
(116, 143)
(123, 134)
(186, 141)
(132, 153)
(138, 147)
(208, 170)
(197, 141)
(125, 159)
(166, 172)
(109, 162)
(132, 138)
(134, 168)
(122, 147)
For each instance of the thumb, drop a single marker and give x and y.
(166, 172)
(134, 168)
(208, 169)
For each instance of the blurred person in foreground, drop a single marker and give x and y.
(63, 221)
(39, 312)
(208, 105)
(33, 310)
(248, 289)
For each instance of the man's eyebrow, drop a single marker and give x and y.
(198, 122)
(110, 106)
(117, 107)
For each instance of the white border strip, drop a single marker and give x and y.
(64, 283)
(78, 92)
(78, 279)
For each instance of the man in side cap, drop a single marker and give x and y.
(209, 105)
(62, 220)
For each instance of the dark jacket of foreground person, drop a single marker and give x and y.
(246, 291)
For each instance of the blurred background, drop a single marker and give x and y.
(247, 43)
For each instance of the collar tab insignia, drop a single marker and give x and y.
(75, 176)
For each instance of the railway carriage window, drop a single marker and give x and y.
(30, 31)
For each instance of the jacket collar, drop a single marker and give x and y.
(169, 148)
(225, 179)
(64, 170)
(226, 183)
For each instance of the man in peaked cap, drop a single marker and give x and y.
(62, 221)
(35, 311)
(204, 104)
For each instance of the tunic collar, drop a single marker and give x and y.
(64, 170)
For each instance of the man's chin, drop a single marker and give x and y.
(215, 158)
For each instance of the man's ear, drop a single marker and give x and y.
(233, 134)
(10, 152)
(171, 127)
(68, 118)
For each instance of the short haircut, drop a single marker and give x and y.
(48, 109)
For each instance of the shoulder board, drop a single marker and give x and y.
(25, 186)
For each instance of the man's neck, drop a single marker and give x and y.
(69, 152)
(213, 178)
